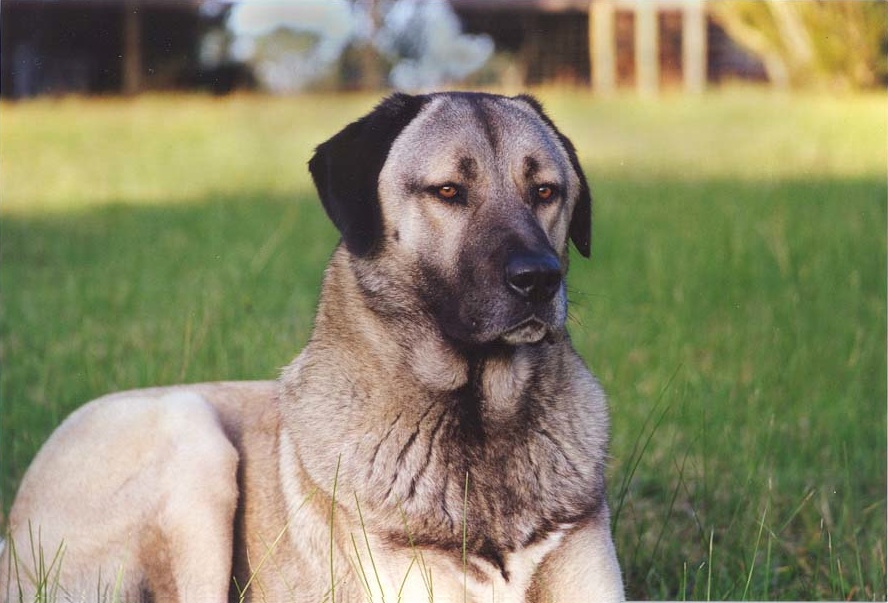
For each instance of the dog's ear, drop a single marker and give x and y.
(346, 168)
(581, 220)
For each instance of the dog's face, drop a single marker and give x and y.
(464, 202)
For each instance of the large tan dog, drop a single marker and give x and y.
(437, 440)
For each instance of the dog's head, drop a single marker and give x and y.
(465, 200)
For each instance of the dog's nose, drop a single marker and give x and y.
(535, 277)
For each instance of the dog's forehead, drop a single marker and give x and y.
(487, 128)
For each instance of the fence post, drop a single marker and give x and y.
(647, 48)
(132, 47)
(602, 46)
(693, 46)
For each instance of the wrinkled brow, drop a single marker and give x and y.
(468, 169)
(531, 167)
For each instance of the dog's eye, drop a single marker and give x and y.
(545, 192)
(448, 192)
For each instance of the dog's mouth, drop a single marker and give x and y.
(529, 330)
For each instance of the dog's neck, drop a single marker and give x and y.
(496, 374)
(440, 416)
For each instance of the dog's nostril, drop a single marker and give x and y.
(536, 277)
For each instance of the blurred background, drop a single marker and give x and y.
(129, 46)
(158, 225)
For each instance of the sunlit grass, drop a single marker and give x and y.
(749, 323)
(733, 308)
(63, 154)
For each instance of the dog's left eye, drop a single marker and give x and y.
(449, 192)
(545, 192)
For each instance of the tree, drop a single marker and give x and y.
(804, 43)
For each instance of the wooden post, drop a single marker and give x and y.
(602, 46)
(647, 48)
(132, 47)
(693, 46)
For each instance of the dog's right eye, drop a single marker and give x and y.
(447, 192)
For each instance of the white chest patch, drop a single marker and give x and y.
(520, 567)
(422, 575)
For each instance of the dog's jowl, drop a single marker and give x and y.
(438, 439)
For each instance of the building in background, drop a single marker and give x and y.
(129, 46)
(56, 47)
(612, 43)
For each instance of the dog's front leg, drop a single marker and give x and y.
(583, 568)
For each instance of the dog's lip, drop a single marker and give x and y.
(529, 330)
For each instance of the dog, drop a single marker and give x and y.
(438, 439)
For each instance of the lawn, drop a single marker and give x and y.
(734, 307)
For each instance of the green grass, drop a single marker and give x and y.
(734, 307)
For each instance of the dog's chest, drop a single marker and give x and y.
(420, 573)
(495, 469)
(494, 487)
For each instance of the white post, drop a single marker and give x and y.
(602, 46)
(693, 46)
(647, 48)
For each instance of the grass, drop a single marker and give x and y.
(734, 307)
(44, 577)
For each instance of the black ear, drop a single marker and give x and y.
(581, 221)
(345, 170)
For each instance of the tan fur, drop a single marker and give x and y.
(431, 442)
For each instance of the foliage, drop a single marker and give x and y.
(409, 44)
(804, 43)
